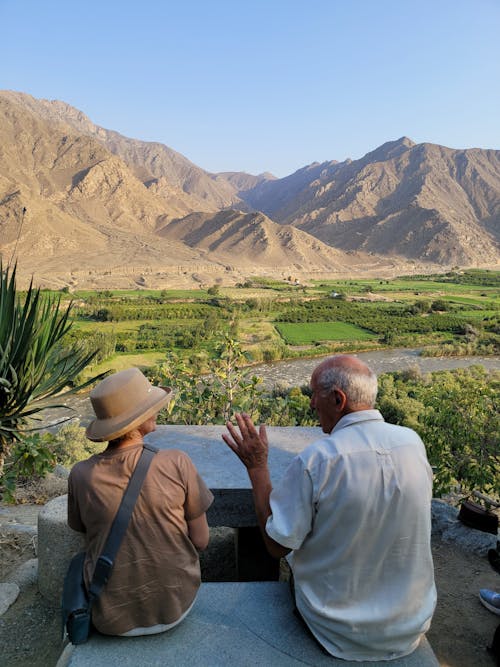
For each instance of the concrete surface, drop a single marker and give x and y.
(57, 544)
(223, 472)
(8, 595)
(217, 464)
(233, 624)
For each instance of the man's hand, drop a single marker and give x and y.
(249, 446)
(252, 449)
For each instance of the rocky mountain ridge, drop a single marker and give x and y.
(98, 203)
(423, 202)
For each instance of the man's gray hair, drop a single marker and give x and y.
(359, 387)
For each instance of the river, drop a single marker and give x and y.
(297, 372)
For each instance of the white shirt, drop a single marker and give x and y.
(355, 507)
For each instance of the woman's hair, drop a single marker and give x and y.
(359, 385)
(123, 438)
(119, 440)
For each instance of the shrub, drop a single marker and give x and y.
(35, 364)
(457, 415)
(31, 458)
(70, 444)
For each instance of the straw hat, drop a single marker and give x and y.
(122, 402)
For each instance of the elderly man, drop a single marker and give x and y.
(156, 574)
(353, 516)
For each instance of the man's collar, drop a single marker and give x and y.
(356, 417)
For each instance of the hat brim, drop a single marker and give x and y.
(101, 430)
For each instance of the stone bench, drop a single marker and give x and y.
(233, 506)
(233, 624)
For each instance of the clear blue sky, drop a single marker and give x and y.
(264, 85)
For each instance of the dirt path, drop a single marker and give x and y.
(462, 628)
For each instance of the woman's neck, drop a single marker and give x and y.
(134, 439)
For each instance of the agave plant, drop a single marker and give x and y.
(35, 366)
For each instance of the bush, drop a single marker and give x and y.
(35, 362)
(70, 444)
(29, 459)
(273, 353)
(457, 415)
(33, 457)
(439, 304)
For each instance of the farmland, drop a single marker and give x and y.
(456, 313)
(317, 332)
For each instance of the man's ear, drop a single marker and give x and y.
(340, 398)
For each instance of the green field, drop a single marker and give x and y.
(479, 314)
(478, 300)
(315, 332)
(272, 319)
(398, 289)
(144, 293)
(109, 327)
(133, 325)
(119, 362)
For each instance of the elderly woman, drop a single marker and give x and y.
(156, 574)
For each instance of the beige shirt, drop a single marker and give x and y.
(156, 573)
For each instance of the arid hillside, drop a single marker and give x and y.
(255, 240)
(418, 201)
(83, 205)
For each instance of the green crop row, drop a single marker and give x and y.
(316, 332)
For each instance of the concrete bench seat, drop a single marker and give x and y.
(233, 624)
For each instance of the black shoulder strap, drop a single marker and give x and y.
(105, 561)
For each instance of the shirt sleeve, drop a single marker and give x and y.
(198, 495)
(292, 507)
(74, 519)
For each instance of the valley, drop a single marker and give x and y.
(451, 314)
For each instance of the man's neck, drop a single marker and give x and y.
(356, 408)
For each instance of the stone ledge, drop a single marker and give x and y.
(243, 624)
(446, 526)
(8, 595)
(57, 544)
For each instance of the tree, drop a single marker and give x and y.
(461, 428)
(212, 397)
(458, 417)
(35, 364)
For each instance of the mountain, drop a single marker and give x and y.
(102, 209)
(418, 201)
(85, 209)
(177, 180)
(96, 212)
(257, 241)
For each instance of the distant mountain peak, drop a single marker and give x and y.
(405, 141)
(389, 150)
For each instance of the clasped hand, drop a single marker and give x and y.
(250, 446)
